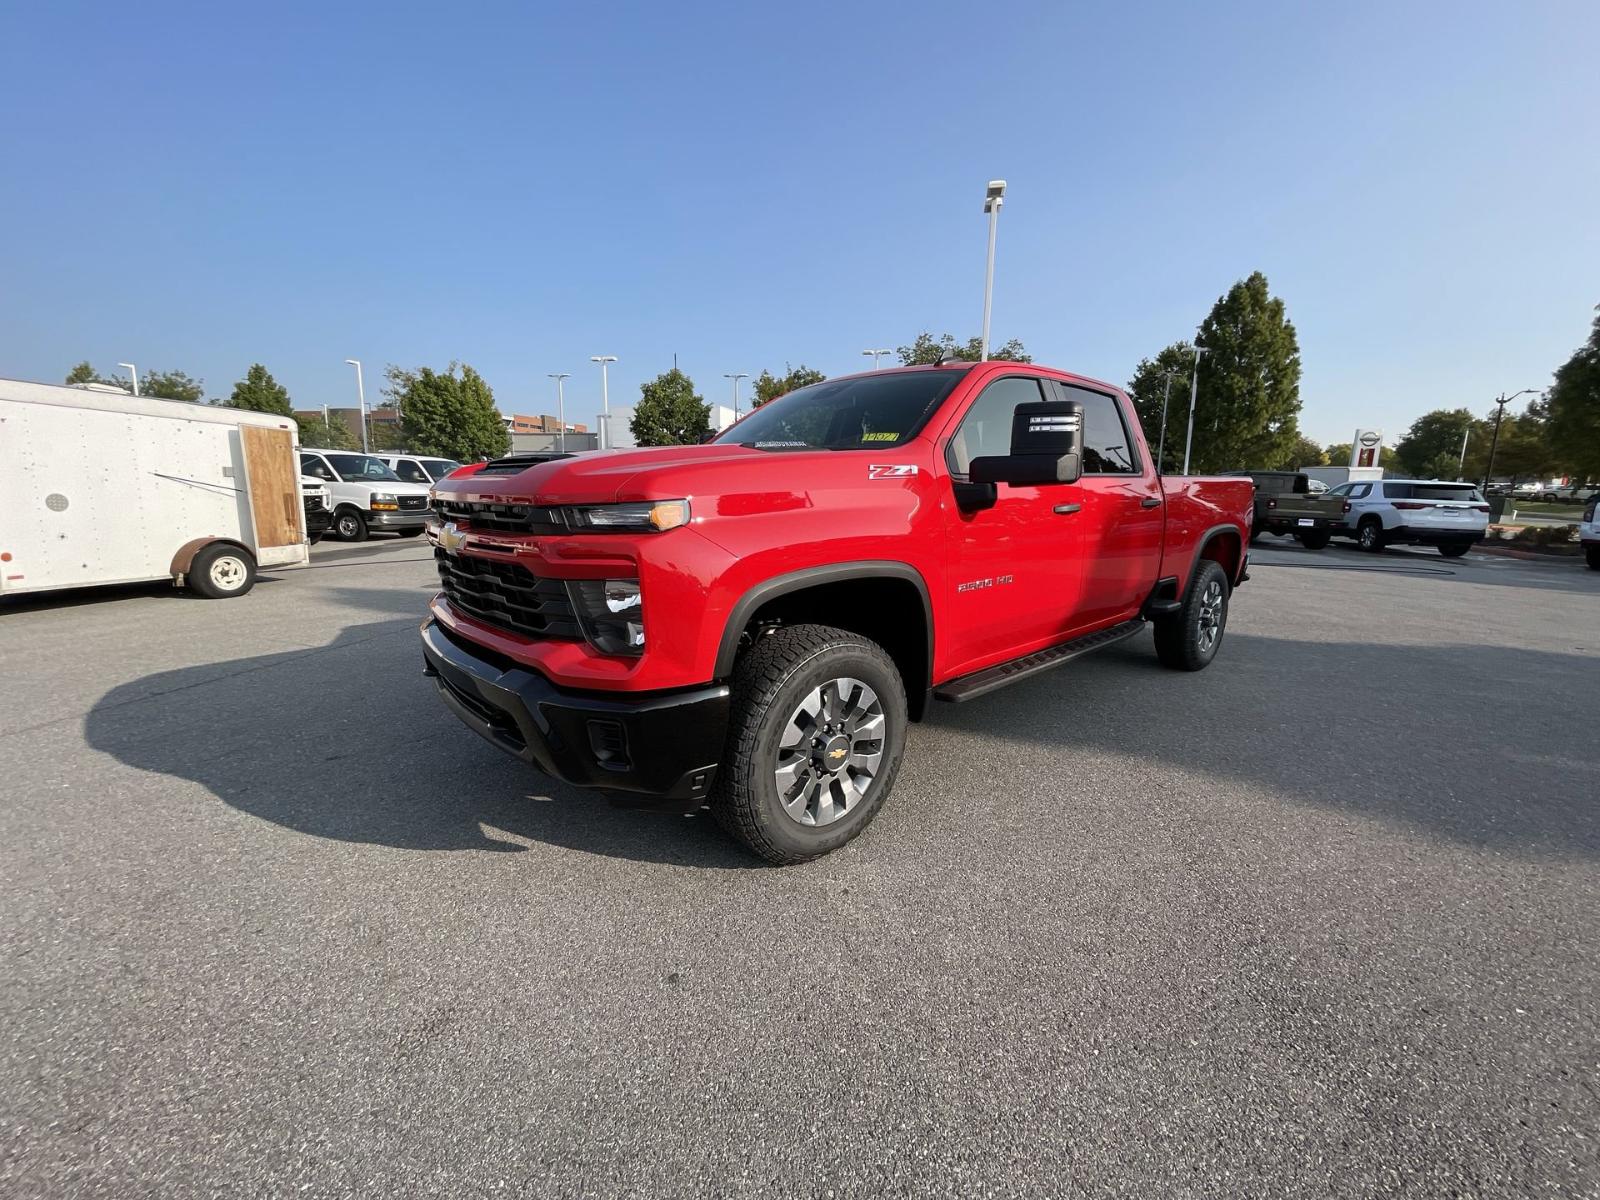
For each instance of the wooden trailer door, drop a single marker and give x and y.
(269, 460)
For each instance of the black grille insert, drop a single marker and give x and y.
(505, 518)
(412, 503)
(507, 595)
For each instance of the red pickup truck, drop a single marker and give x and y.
(751, 623)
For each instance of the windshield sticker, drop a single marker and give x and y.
(778, 445)
(880, 437)
(891, 471)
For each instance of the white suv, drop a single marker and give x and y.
(426, 469)
(1416, 512)
(1589, 532)
(366, 494)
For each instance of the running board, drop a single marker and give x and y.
(982, 682)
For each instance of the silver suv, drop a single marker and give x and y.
(1415, 512)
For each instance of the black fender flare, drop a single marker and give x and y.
(796, 581)
(1206, 539)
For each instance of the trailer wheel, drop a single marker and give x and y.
(221, 571)
(350, 525)
(818, 728)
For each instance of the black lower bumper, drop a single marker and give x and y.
(662, 744)
(1292, 525)
(317, 521)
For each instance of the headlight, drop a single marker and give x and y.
(610, 612)
(647, 516)
(383, 500)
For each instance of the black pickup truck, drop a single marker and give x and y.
(1285, 505)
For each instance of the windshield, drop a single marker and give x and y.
(361, 466)
(440, 467)
(864, 412)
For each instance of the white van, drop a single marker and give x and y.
(367, 494)
(100, 487)
(426, 469)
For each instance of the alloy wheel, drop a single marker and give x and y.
(1210, 616)
(830, 752)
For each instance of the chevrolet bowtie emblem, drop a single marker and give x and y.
(835, 753)
(451, 537)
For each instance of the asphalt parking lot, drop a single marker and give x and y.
(1318, 920)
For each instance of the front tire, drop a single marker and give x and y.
(220, 572)
(814, 743)
(350, 525)
(1454, 551)
(1188, 639)
(1370, 535)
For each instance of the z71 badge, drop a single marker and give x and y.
(890, 471)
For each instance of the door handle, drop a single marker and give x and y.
(1150, 502)
(1066, 510)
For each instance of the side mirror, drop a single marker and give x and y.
(1046, 447)
(708, 436)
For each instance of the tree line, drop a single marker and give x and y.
(449, 413)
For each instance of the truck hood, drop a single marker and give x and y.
(645, 473)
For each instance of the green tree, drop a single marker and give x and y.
(669, 413)
(449, 413)
(1574, 408)
(1148, 390)
(171, 385)
(770, 386)
(926, 351)
(1303, 453)
(258, 391)
(1248, 409)
(1337, 454)
(333, 434)
(84, 373)
(1431, 448)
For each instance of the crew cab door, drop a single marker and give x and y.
(1015, 568)
(1123, 517)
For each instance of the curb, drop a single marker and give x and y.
(1525, 555)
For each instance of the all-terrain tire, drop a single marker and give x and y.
(770, 683)
(1189, 639)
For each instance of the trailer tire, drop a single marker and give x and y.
(776, 684)
(1189, 639)
(221, 571)
(350, 525)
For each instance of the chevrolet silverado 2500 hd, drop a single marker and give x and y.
(751, 623)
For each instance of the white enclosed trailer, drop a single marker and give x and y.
(100, 487)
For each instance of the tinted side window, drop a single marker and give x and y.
(1107, 447)
(1342, 490)
(986, 429)
(311, 464)
(411, 472)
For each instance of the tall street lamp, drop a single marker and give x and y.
(1194, 393)
(561, 409)
(1494, 442)
(605, 398)
(876, 355)
(992, 201)
(133, 372)
(736, 378)
(361, 400)
(1166, 394)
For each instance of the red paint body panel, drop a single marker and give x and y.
(758, 515)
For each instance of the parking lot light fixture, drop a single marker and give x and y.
(605, 398)
(1494, 442)
(561, 410)
(1194, 394)
(133, 373)
(1166, 394)
(876, 355)
(992, 200)
(736, 377)
(361, 400)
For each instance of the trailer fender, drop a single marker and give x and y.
(184, 558)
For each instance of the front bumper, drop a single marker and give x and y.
(400, 519)
(318, 521)
(659, 744)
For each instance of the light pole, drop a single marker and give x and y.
(605, 398)
(1461, 466)
(876, 355)
(992, 201)
(134, 374)
(1166, 394)
(736, 378)
(561, 409)
(1494, 442)
(361, 400)
(1194, 394)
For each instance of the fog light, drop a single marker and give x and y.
(611, 613)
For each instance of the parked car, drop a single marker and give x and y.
(1568, 493)
(1589, 532)
(425, 469)
(317, 502)
(753, 622)
(1417, 512)
(1285, 504)
(366, 494)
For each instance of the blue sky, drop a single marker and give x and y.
(521, 186)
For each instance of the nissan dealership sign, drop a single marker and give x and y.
(1365, 447)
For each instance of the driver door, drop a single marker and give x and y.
(1016, 569)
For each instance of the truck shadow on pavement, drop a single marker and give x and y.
(349, 741)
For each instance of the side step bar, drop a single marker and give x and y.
(980, 683)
